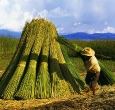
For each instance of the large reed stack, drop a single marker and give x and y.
(38, 68)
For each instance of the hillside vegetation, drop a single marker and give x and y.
(102, 47)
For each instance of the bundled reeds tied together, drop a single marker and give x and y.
(40, 67)
(106, 76)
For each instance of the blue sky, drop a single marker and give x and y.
(69, 16)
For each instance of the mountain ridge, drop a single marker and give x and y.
(5, 32)
(94, 36)
(71, 36)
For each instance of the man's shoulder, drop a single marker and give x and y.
(93, 59)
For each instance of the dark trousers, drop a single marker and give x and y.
(92, 79)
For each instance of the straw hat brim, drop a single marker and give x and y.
(88, 52)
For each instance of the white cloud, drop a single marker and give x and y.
(43, 13)
(76, 15)
(27, 16)
(60, 30)
(55, 13)
(58, 12)
(12, 25)
(91, 31)
(109, 29)
(15, 13)
(3, 3)
(78, 23)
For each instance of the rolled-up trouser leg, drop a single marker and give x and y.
(94, 82)
(94, 79)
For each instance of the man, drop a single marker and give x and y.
(92, 67)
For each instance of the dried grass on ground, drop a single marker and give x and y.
(103, 100)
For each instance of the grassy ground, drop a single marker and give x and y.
(8, 44)
(4, 62)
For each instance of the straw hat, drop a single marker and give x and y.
(87, 51)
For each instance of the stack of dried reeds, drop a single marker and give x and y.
(39, 68)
